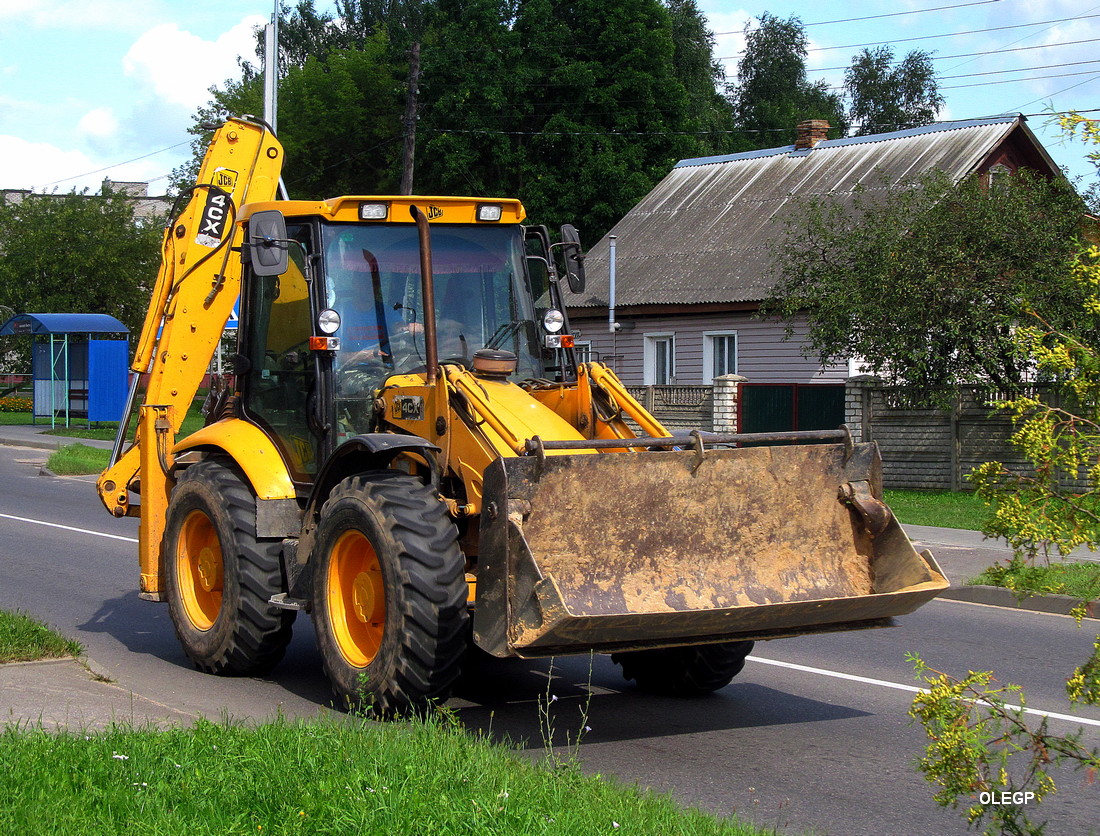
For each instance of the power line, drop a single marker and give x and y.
(116, 165)
(891, 14)
(1021, 69)
(961, 55)
(953, 34)
(1018, 80)
(1059, 92)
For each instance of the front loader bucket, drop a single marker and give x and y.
(630, 550)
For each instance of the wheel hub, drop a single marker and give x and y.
(209, 566)
(366, 597)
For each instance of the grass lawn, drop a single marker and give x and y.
(944, 509)
(23, 639)
(78, 460)
(335, 776)
(1078, 580)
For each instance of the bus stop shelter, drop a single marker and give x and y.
(78, 372)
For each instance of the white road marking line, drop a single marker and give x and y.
(69, 528)
(911, 688)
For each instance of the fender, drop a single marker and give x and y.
(251, 449)
(369, 451)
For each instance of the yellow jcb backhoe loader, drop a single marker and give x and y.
(409, 452)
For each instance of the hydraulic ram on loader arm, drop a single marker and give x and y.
(196, 288)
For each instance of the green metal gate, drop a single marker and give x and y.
(780, 407)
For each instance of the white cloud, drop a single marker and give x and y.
(99, 123)
(76, 14)
(181, 67)
(31, 165)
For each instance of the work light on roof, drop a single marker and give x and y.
(489, 212)
(373, 211)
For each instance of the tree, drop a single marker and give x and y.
(694, 65)
(77, 253)
(772, 94)
(577, 108)
(983, 749)
(925, 281)
(339, 121)
(889, 97)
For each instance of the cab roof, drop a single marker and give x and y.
(459, 210)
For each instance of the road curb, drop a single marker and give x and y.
(34, 444)
(998, 596)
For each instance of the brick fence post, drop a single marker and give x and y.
(727, 389)
(857, 405)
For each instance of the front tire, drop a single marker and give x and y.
(684, 671)
(389, 595)
(219, 575)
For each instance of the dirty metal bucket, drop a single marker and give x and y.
(628, 550)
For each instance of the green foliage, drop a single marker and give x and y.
(23, 639)
(318, 777)
(926, 280)
(979, 742)
(982, 748)
(888, 95)
(337, 114)
(773, 94)
(1029, 508)
(77, 253)
(576, 108)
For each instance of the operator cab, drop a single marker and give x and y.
(350, 276)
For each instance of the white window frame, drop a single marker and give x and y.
(583, 348)
(650, 357)
(708, 353)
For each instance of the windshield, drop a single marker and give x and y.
(373, 275)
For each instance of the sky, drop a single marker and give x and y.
(107, 88)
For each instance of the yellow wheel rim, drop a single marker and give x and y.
(200, 570)
(356, 598)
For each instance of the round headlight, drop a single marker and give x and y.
(553, 320)
(328, 321)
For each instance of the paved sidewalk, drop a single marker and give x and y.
(32, 435)
(64, 694)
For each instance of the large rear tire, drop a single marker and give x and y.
(389, 594)
(219, 576)
(684, 671)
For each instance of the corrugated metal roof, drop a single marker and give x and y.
(700, 236)
(55, 323)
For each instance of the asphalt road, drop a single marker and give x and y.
(812, 737)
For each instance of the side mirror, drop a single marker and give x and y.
(574, 258)
(267, 243)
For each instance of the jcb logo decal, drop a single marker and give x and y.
(226, 179)
(434, 212)
(215, 213)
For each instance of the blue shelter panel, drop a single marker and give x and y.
(107, 379)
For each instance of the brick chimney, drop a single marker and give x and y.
(810, 132)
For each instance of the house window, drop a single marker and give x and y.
(660, 359)
(998, 175)
(719, 354)
(583, 351)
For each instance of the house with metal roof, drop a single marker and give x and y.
(691, 260)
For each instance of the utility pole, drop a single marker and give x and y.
(408, 122)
